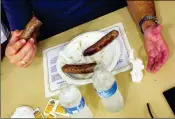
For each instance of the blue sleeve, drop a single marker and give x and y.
(18, 13)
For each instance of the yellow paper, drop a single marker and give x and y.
(49, 106)
(60, 109)
(38, 114)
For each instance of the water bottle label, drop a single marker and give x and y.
(109, 92)
(74, 110)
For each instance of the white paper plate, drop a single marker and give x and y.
(73, 54)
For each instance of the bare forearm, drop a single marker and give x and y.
(139, 9)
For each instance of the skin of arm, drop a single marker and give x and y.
(139, 9)
(155, 45)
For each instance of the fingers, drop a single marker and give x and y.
(28, 63)
(14, 36)
(158, 63)
(155, 63)
(19, 64)
(18, 49)
(150, 64)
(27, 52)
(160, 60)
(164, 56)
(24, 51)
(13, 49)
(29, 57)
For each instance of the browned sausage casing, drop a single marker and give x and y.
(31, 28)
(99, 45)
(79, 69)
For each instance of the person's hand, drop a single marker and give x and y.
(19, 51)
(156, 48)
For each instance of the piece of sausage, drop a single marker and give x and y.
(79, 69)
(31, 28)
(99, 45)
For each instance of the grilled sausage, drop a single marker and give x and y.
(99, 45)
(30, 29)
(79, 69)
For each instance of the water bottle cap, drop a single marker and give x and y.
(100, 66)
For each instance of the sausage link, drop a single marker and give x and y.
(103, 42)
(79, 69)
(31, 28)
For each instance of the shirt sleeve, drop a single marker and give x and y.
(18, 13)
(4, 33)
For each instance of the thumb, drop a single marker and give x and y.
(157, 29)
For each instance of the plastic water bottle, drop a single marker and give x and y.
(73, 102)
(106, 87)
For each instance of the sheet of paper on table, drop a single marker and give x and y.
(52, 79)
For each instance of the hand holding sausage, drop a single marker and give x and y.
(19, 51)
(21, 48)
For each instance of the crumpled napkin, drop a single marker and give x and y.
(136, 73)
(23, 112)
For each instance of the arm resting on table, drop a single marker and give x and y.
(139, 9)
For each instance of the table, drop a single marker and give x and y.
(26, 86)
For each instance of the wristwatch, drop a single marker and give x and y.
(146, 18)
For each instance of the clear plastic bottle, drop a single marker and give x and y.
(106, 87)
(73, 102)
